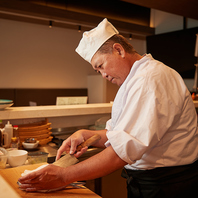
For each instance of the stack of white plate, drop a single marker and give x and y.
(5, 103)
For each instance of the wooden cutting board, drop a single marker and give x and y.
(11, 176)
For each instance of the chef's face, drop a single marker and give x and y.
(112, 66)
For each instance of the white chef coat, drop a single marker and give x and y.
(153, 122)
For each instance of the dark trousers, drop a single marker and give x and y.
(165, 182)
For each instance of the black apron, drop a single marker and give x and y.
(163, 182)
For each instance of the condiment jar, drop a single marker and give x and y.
(14, 143)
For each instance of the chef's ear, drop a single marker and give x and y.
(119, 49)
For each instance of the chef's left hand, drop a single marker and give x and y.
(49, 177)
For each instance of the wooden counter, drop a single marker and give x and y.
(54, 111)
(11, 176)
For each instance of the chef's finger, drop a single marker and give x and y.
(28, 187)
(29, 178)
(64, 147)
(59, 152)
(74, 144)
(23, 179)
(22, 182)
(24, 186)
(31, 189)
(79, 153)
(28, 181)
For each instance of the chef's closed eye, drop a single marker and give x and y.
(97, 71)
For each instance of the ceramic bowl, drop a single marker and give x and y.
(30, 145)
(17, 157)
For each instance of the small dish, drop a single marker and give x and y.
(37, 157)
(3, 106)
(30, 145)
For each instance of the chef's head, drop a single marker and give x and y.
(106, 50)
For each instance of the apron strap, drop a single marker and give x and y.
(132, 185)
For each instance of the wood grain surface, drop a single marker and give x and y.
(11, 176)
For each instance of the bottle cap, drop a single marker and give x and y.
(8, 124)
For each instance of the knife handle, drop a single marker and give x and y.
(92, 140)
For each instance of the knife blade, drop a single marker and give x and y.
(68, 159)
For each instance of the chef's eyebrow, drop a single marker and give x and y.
(96, 66)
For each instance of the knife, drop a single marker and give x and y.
(68, 159)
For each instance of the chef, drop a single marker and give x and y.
(152, 132)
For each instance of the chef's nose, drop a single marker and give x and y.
(104, 75)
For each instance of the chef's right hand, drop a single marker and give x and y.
(70, 145)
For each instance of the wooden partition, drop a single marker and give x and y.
(22, 97)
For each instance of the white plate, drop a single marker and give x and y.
(30, 145)
(3, 106)
(4, 101)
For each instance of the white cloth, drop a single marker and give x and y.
(92, 40)
(154, 122)
(30, 171)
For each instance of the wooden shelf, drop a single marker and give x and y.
(54, 111)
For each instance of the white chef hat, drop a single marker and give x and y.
(92, 40)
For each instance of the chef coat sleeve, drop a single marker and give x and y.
(148, 111)
(108, 128)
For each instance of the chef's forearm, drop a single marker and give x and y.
(97, 166)
(88, 133)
